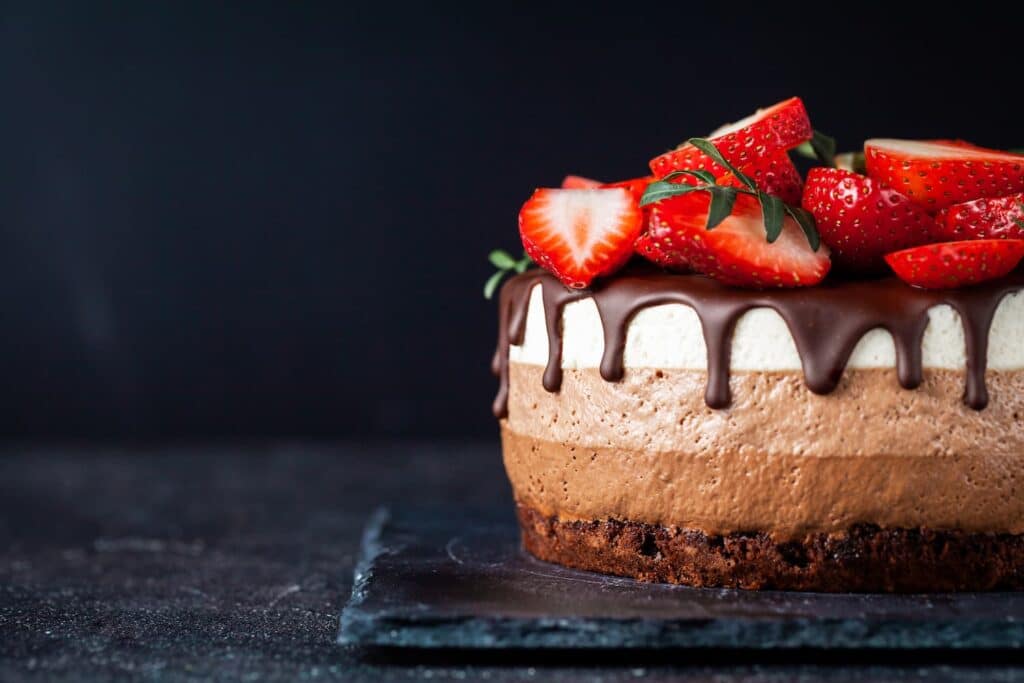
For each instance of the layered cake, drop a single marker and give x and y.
(726, 375)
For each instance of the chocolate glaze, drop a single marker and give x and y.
(826, 322)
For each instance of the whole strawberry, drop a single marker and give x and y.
(989, 218)
(861, 219)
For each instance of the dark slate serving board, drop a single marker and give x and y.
(445, 579)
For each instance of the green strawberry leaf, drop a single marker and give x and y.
(492, 284)
(807, 224)
(824, 148)
(505, 264)
(662, 189)
(500, 258)
(707, 176)
(805, 150)
(722, 201)
(773, 211)
(709, 149)
(821, 147)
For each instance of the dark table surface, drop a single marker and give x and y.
(233, 562)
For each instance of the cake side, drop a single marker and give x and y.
(864, 558)
(782, 460)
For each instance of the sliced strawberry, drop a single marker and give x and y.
(862, 219)
(997, 217)
(775, 129)
(655, 252)
(736, 251)
(956, 264)
(939, 173)
(636, 186)
(773, 174)
(580, 234)
(578, 182)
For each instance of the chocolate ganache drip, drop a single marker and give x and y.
(826, 322)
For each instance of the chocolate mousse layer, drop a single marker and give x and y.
(781, 461)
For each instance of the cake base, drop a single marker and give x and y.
(864, 559)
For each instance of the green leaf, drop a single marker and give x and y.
(709, 148)
(662, 189)
(523, 263)
(820, 147)
(722, 200)
(773, 210)
(805, 149)
(824, 148)
(1019, 222)
(807, 224)
(707, 176)
(492, 284)
(501, 259)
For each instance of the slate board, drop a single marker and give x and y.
(451, 579)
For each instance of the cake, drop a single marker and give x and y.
(830, 399)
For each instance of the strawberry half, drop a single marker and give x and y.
(736, 251)
(862, 219)
(956, 264)
(635, 185)
(580, 234)
(654, 251)
(990, 218)
(773, 174)
(775, 129)
(939, 173)
(578, 182)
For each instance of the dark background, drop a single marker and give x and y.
(273, 219)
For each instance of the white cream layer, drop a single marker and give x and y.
(670, 336)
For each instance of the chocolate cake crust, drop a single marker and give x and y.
(865, 558)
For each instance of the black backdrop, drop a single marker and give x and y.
(272, 219)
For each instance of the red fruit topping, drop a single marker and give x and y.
(862, 219)
(578, 182)
(936, 174)
(956, 264)
(655, 252)
(580, 234)
(990, 218)
(774, 174)
(736, 251)
(636, 186)
(775, 129)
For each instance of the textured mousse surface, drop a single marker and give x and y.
(781, 460)
(865, 558)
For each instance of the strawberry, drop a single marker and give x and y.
(775, 129)
(939, 173)
(580, 234)
(652, 250)
(635, 185)
(773, 174)
(861, 219)
(576, 182)
(999, 217)
(736, 251)
(956, 264)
